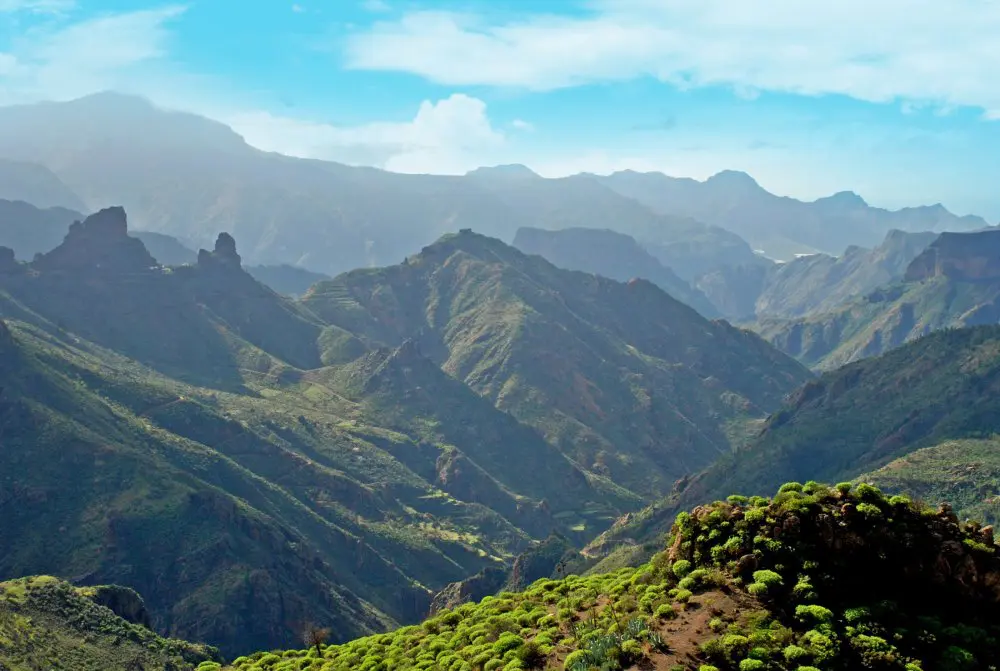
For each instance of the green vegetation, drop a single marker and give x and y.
(852, 421)
(955, 282)
(640, 390)
(46, 623)
(249, 463)
(834, 579)
(964, 473)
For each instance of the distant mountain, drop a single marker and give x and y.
(734, 290)
(35, 184)
(29, 230)
(190, 177)
(167, 250)
(626, 381)
(781, 226)
(851, 422)
(818, 283)
(614, 255)
(285, 279)
(513, 171)
(954, 282)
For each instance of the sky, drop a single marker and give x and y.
(897, 100)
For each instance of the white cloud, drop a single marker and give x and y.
(920, 50)
(450, 136)
(36, 6)
(298, 9)
(84, 57)
(521, 124)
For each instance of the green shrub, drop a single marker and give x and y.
(752, 665)
(665, 612)
(794, 653)
(681, 568)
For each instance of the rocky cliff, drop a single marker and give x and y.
(98, 243)
(966, 257)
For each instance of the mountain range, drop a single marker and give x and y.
(189, 177)
(954, 282)
(247, 461)
(782, 227)
(376, 409)
(854, 423)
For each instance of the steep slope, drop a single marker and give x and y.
(190, 177)
(35, 184)
(179, 429)
(613, 255)
(49, 624)
(626, 381)
(849, 422)
(29, 230)
(831, 579)
(195, 322)
(963, 473)
(781, 226)
(955, 282)
(819, 283)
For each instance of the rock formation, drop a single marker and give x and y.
(966, 257)
(99, 243)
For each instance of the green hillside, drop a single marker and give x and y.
(46, 623)
(248, 462)
(816, 578)
(627, 382)
(849, 422)
(953, 283)
(964, 473)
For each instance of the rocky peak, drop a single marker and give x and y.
(8, 264)
(100, 242)
(223, 255)
(966, 257)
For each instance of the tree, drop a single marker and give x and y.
(314, 636)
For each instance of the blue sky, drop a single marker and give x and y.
(895, 99)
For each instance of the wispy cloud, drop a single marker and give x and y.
(86, 56)
(521, 124)
(936, 52)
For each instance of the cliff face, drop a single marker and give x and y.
(966, 257)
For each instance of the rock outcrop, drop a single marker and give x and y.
(966, 257)
(123, 602)
(8, 264)
(99, 243)
(224, 254)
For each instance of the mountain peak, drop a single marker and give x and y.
(8, 263)
(99, 242)
(733, 177)
(224, 253)
(843, 199)
(507, 170)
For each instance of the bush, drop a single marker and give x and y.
(665, 612)
(681, 568)
(752, 665)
